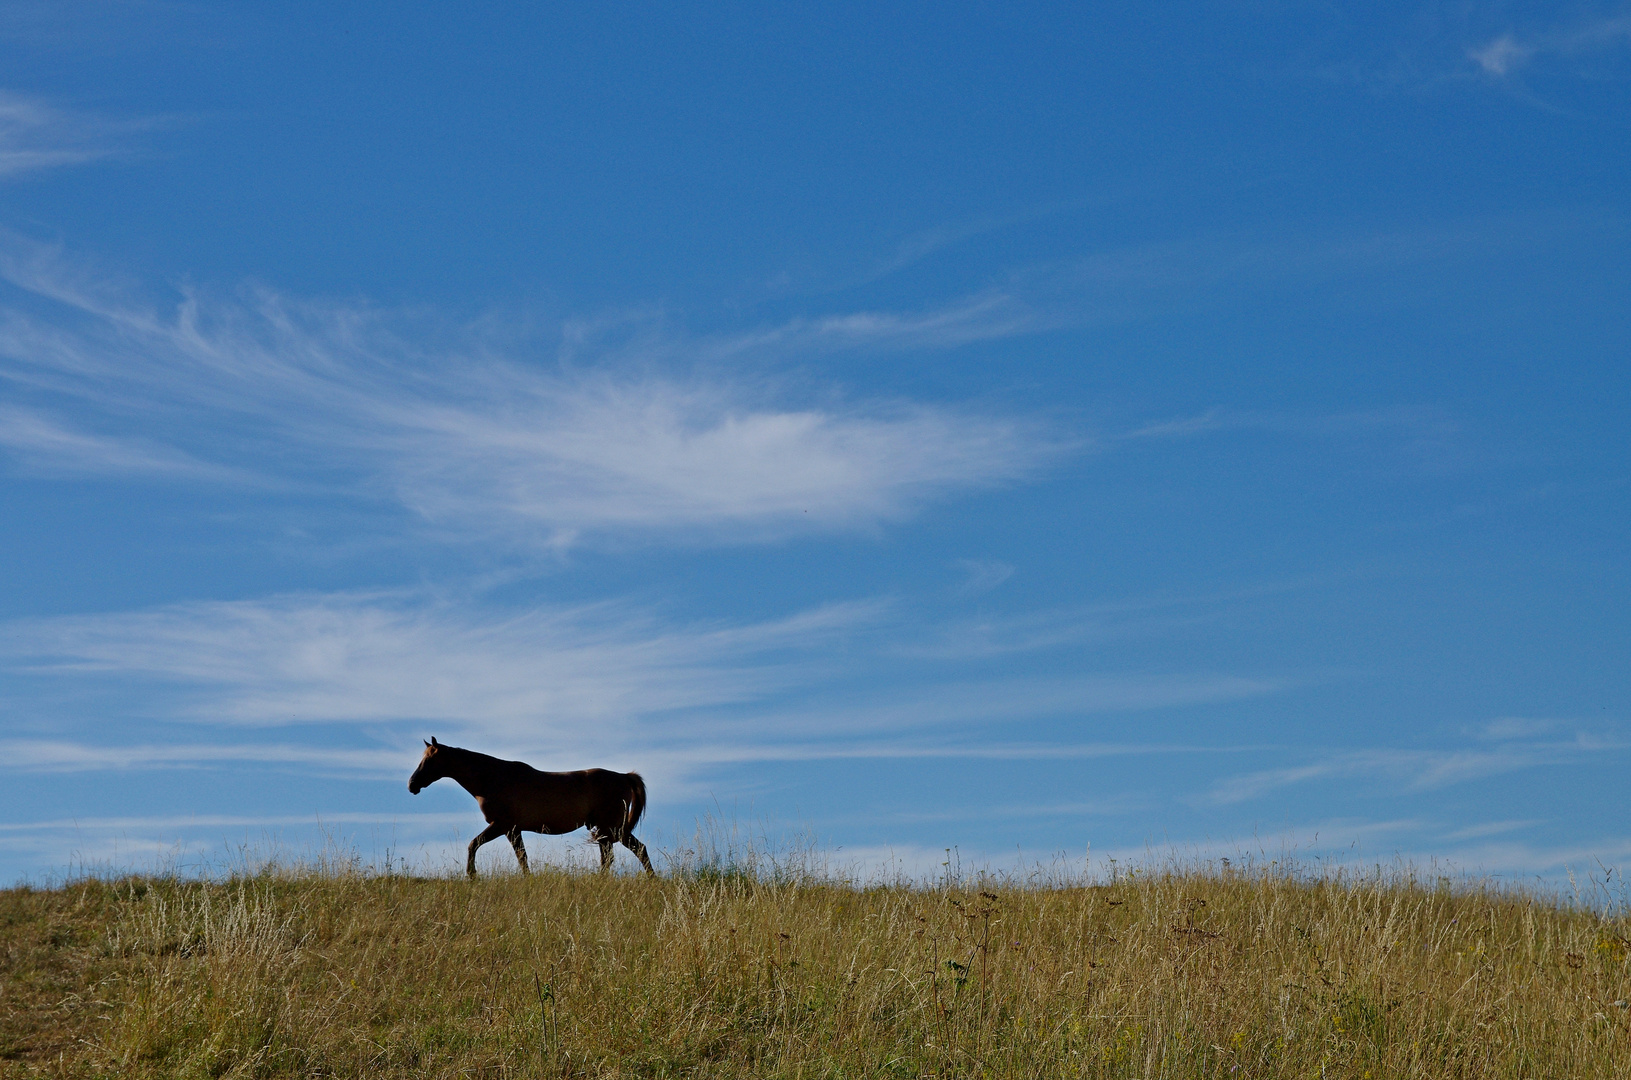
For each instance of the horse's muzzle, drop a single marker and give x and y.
(413, 788)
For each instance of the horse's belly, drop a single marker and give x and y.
(553, 820)
(530, 818)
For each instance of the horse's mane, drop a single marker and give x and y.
(465, 751)
(477, 755)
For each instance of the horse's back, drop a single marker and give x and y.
(559, 802)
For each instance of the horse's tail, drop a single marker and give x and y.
(635, 803)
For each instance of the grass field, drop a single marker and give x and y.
(718, 971)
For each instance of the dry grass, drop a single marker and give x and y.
(716, 972)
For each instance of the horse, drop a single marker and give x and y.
(515, 797)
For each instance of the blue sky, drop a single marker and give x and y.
(1019, 430)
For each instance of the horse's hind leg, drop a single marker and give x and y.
(606, 843)
(520, 848)
(491, 832)
(639, 850)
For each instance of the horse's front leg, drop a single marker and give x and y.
(491, 832)
(606, 843)
(520, 848)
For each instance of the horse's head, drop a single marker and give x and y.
(432, 767)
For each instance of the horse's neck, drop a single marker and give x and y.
(466, 768)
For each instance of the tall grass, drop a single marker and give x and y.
(737, 964)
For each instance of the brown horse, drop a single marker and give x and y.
(515, 797)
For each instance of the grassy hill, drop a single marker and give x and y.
(1177, 974)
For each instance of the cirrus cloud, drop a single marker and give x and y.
(444, 423)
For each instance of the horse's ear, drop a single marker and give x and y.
(433, 741)
(427, 742)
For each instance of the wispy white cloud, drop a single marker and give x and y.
(543, 677)
(1329, 424)
(35, 136)
(982, 575)
(46, 444)
(925, 749)
(1114, 806)
(1115, 286)
(1443, 45)
(1506, 53)
(1118, 285)
(211, 842)
(1491, 828)
(948, 708)
(989, 637)
(1501, 55)
(1516, 727)
(1356, 847)
(987, 315)
(1416, 442)
(1254, 785)
(63, 755)
(173, 821)
(902, 251)
(1414, 770)
(332, 396)
(631, 430)
(1409, 846)
(58, 755)
(556, 684)
(1427, 437)
(984, 639)
(1584, 858)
